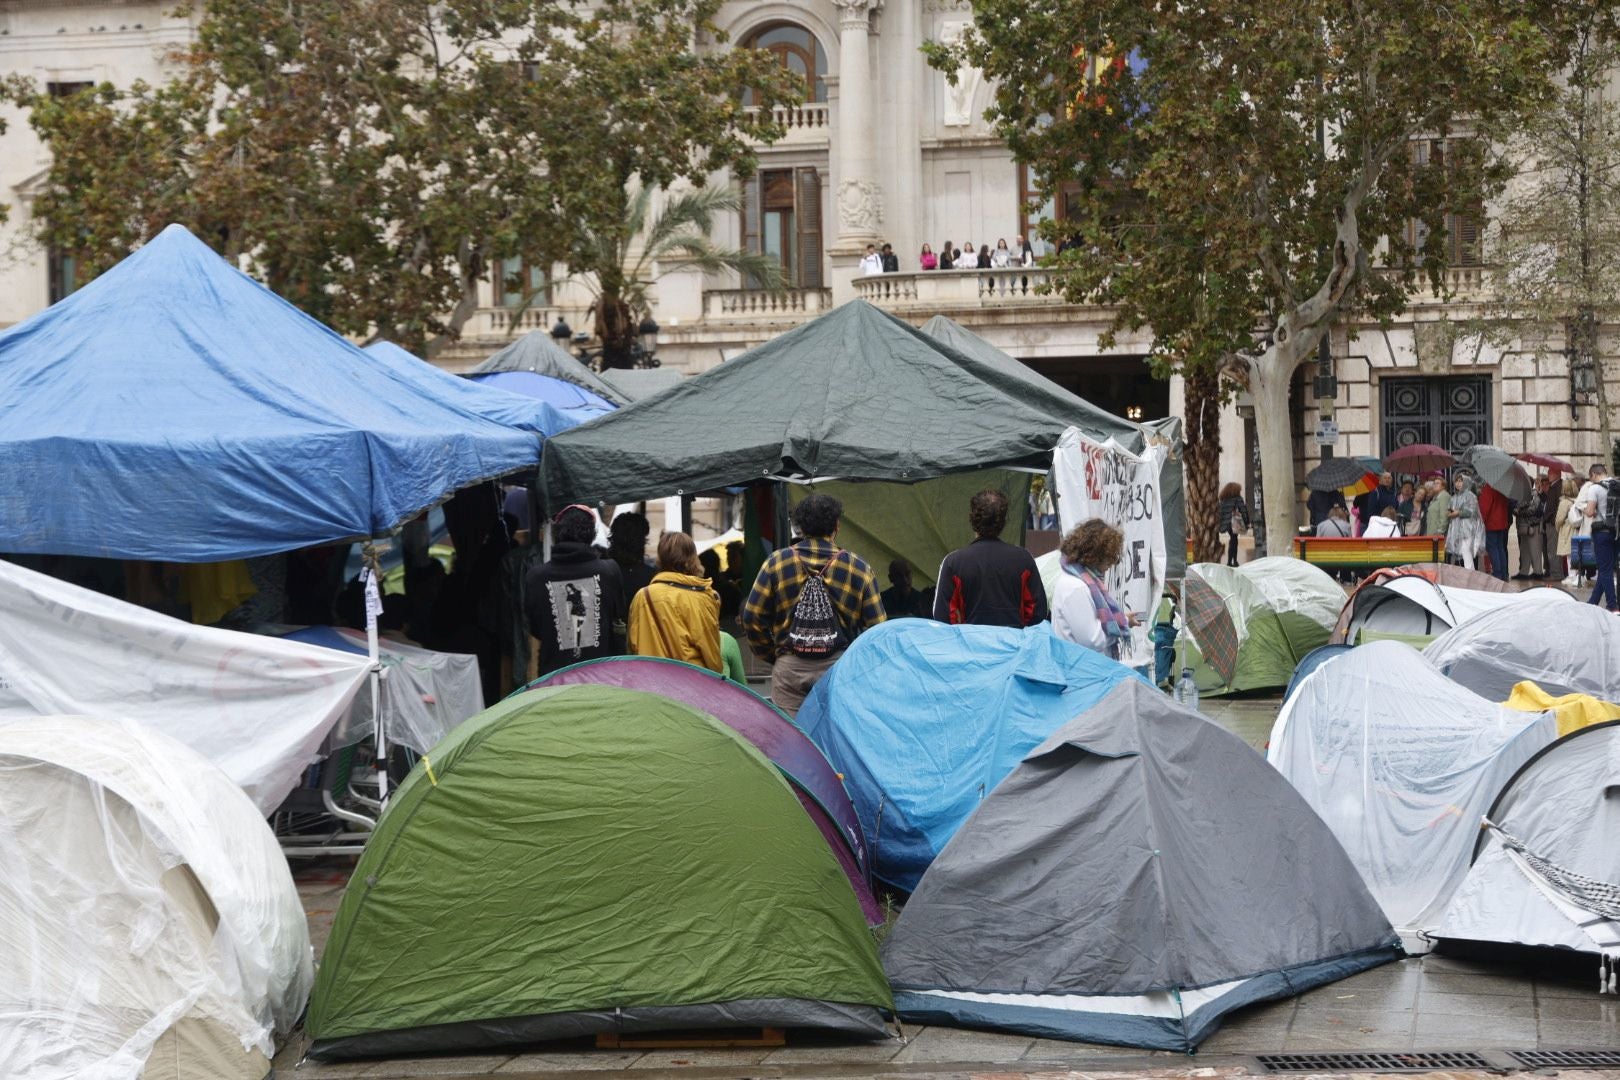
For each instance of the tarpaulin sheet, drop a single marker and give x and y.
(537, 352)
(424, 693)
(492, 402)
(1401, 762)
(1562, 646)
(146, 911)
(854, 395)
(924, 719)
(175, 409)
(257, 707)
(571, 399)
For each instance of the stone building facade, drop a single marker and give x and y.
(884, 151)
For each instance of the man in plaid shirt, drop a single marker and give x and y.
(768, 611)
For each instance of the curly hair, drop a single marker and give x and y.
(1094, 545)
(1231, 490)
(574, 526)
(627, 538)
(818, 515)
(987, 513)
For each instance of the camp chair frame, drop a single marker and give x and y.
(297, 821)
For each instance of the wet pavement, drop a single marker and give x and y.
(1430, 1003)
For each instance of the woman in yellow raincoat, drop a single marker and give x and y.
(678, 615)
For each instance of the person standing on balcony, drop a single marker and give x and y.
(967, 256)
(984, 257)
(871, 262)
(927, 260)
(990, 582)
(891, 261)
(1001, 258)
(1026, 252)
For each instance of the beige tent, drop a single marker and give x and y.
(149, 927)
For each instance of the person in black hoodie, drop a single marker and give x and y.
(575, 601)
(990, 582)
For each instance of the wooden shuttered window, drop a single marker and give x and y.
(807, 214)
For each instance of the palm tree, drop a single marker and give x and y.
(622, 275)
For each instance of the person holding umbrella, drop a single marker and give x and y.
(1593, 502)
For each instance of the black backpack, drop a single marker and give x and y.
(1611, 505)
(813, 627)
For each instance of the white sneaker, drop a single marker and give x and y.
(1572, 581)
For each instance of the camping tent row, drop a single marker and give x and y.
(855, 395)
(1404, 780)
(1418, 603)
(715, 856)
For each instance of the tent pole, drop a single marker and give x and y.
(373, 609)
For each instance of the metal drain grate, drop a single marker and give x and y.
(1566, 1059)
(1373, 1062)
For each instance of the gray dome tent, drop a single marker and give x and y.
(1548, 875)
(1562, 647)
(536, 352)
(1141, 874)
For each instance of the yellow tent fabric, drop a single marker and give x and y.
(1574, 711)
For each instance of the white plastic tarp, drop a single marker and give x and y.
(108, 830)
(1562, 646)
(424, 693)
(257, 707)
(1565, 808)
(1401, 762)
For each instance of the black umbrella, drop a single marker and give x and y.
(1336, 473)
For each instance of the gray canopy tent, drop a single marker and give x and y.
(537, 352)
(856, 394)
(1141, 874)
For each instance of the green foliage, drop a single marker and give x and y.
(373, 157)
(1224, 179)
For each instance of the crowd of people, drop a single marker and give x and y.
(1564, 527)
(1021, 252)
(810, 599)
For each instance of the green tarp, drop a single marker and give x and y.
(589, 858)
(856, 394)
(920, 523)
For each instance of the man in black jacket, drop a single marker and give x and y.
(575, 601)
(990, 582)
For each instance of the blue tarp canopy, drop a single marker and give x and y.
(175, 409)
(574, 400)
(491, 402)
(924, 720)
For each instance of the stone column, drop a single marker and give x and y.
(858, 202)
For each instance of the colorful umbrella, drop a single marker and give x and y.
(1497, 469)
(1419, 458)
(1210, 625)
(1548, 462)
(1337, 474)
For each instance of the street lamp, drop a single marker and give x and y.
(561, 332)
(648, 331)
(1582, 378)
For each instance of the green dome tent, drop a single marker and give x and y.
(1276, 608)
(582, 859)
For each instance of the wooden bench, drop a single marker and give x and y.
(1359, 553)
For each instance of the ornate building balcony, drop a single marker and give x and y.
(758, 305)
(809, 124)
(956, 290)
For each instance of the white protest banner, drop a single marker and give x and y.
(1104, 480)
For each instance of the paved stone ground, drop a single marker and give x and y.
(1429, 1003)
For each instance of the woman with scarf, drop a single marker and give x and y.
(1082, 609)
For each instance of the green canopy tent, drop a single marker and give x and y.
(856, 394)
(582, 859)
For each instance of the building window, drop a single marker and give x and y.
(1033, 208)
(799, 51)
(1462, 228)
(1452, 412)
(66, 89)
(517, 285)
(62, 272)
(782, 218)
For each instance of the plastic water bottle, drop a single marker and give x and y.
(1187, 690)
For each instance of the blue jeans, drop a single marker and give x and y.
(1580, 554)
(1496, 548)
(1603, 542)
